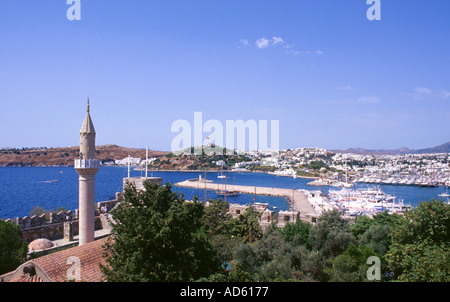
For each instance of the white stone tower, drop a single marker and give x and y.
(87, 166)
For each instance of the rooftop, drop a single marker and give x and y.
(56, 267)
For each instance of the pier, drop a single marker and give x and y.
(298, 200)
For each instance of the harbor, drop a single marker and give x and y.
(358, 202)
(24, 188)
(298, 200)
(420, 170)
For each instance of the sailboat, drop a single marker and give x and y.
(225, 192)
(346, 184)
(221, 175)
(445, 195)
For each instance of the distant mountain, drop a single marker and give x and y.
(444, 148)
(375, 152)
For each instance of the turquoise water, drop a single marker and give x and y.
(23, 188)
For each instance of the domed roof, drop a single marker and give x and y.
(40, 244)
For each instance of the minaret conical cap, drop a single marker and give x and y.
(88, 125)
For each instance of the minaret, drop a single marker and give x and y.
(87, 166)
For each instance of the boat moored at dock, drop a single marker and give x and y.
(366, 201)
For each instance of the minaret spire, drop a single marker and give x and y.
(87, 166)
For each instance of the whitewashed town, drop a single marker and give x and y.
(339, 169)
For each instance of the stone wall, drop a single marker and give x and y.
(267, 216)
(36, 227)
(138, 182)
(39, 221)
(53, 231)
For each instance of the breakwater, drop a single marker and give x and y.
(298, 200)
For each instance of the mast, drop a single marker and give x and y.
(225, 189)
(128, 165)
(146, 162)
(205, 189)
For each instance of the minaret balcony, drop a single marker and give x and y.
(87, 163)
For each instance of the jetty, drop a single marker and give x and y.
(298, 200)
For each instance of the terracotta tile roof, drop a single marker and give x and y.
(55, 266)
(27, 278)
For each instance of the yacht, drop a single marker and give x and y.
(366, 201)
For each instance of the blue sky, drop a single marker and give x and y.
(330, 76)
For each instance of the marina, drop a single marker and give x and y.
(369, 201)
(420, 170)
(405, 181)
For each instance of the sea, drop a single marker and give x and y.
(51, 188)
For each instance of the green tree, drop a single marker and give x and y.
(361, 225)
(13, 249)
(309, 265)
(271, 245)
(277, 270)
(38, 211)
(246, 226)
(297, 233)
(331, 235)
(245, 262)
(158, 236)
(350, 266)
(217, 217)
(217, 220)
(274, 255)
(420, 249)
(377, 237)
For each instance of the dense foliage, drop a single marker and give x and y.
(420, 249)
(157, 236)
(160, 237)
(13, 249)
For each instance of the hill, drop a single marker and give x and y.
(65, 156)
(374, 152)
(444, 148)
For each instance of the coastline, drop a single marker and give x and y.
(216, 171)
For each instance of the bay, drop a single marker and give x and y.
(23, 188)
